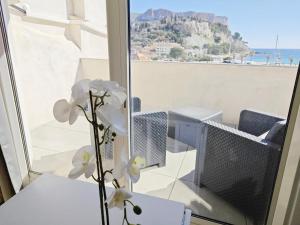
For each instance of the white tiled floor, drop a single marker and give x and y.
(54, 145)
(59, 139)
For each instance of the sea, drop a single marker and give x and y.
(275, 56)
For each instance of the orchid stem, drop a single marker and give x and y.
(85, 114)
(101, 100)
(95, 179)
(101, 184)
(117, 183)
(108, 171)
(125, 214)
(130, 202)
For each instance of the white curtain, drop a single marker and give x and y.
(8, 147)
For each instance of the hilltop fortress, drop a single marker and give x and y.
(159, 14)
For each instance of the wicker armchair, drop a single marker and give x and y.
(238, 165)
(149, 135)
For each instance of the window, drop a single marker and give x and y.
(208, 93)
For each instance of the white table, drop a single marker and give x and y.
(52, 200)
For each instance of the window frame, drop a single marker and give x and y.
(119, 64)
(10, 95)
(283, 189)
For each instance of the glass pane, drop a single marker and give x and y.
(211, 85)
(54, 44)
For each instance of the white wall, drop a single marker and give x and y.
(45, 65)
(94, 69)
(49, 8)
(93, 45)
(230, 88)
(95, 13)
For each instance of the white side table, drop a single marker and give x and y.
(52, 200)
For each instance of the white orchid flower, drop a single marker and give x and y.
(64, 111)
(113, 117)
(134, 167)
(117, 198)
(61, 110)
(80, 90)
(131, 168)
(84, 162)
(117, 94)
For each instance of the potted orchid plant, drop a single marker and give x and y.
(101, 102)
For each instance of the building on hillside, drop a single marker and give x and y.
(164, 48)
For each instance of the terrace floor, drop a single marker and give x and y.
(54, 144)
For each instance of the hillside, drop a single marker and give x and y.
(159, 14)
(196, 36)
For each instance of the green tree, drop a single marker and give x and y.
(205, 59)
(163, 20)
(225, 48)
(176, 53)
(206, 46)
(214, 50)
(218, 49)
(237, 36)
(217, 39)
(219, 28)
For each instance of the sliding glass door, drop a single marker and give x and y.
(211, 88)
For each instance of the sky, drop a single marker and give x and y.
(258, 21)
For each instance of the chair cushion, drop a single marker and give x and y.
(276, 134)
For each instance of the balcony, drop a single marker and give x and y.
(228, 88)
